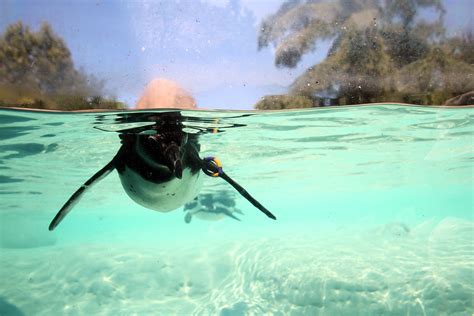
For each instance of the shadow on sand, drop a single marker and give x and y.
(8, 309)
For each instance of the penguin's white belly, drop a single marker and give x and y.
(163, 197)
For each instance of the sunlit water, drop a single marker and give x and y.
(374, 208)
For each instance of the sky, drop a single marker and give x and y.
(208, 46)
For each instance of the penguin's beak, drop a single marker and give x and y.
(173, 157)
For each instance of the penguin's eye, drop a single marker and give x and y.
(154, 138)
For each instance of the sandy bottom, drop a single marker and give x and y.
(391, 270)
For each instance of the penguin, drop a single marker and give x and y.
(159, 168)
(211, 207)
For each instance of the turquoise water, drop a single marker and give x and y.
(374, 208)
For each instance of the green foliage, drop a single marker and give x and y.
(36, 70)
(381, 51)
(407, 10)
(279, 102)
(358, 74)
(437, 74)
(461, 47)
(403, 46)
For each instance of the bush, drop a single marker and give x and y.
(280, 102)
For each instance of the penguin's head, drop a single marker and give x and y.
(163, 146)
(167, 149)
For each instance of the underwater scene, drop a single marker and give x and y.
(373, 205)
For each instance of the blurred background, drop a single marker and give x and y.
(234, 54)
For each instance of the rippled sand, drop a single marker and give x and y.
(390, 270)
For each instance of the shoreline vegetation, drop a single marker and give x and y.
(379, 52)
(37, 71)
(285, 101)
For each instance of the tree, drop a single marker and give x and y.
(359, 70)
(371, 41)
(39, 68)
(16, 55)
(297, 27)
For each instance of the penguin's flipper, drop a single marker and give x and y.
(232, 216)
(188, 217)
(227, 212)
(74, 199)
(191, 205)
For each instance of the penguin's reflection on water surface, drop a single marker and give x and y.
(158, 165)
